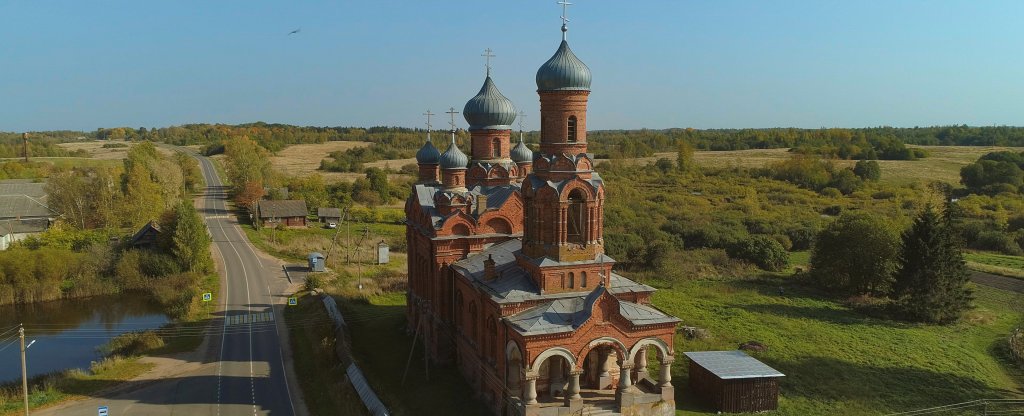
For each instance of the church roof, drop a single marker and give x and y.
(496, 197)
(428, 154)
(565, 315)
(453, 158)
(514, 284)
(521, 153)
(563, 71)
(489, 109)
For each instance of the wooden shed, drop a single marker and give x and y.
(733, 381)
(291, 213)
(326, 214)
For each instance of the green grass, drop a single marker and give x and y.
(294, 244)
(54, 388)
(381, 348)
(325, 387)
(840, 361)
(1000, 264)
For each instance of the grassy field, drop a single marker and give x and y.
(294, 244)
(304, 159)
(381, 347)
(71, 384)
(325, 387)
(1000, 264)
(839, 361)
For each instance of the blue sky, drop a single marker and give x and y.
(655, 64)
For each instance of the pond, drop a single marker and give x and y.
(68, 332)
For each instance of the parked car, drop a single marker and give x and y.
(332, 225)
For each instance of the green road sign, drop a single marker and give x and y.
(292, 301)
(207, 297)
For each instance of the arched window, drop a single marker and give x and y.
(458, 309)
(583, 279)
(473, 322)
(496, 148)
(577, 227)
(492, 339)
(572, 130)
(572, 280)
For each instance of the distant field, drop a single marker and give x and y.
(97, 151)
(304, 159)
(1001, 264)
(943, 162)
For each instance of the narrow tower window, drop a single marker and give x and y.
(496, 148)
(572, 129)
(576, 231)
(572, 280)
(583, 279)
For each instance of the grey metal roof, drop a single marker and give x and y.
(428, 154)
(23, 187)
(564, 71)
(732, 364)
(521, 153)
(489, 109)
(453, 158)
(283, 208)
(35, 225)
(23, 206)
(328, 212)
(561, 315)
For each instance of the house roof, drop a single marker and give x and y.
(23, 206)
(23, 187)
(732, 364)
(150, 228)
(34, 225)
(283, 208)
(328, 212)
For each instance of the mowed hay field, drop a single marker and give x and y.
(97, 151)
(304, 159)
(943, 162)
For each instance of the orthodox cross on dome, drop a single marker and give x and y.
(451, 111)
(488, 55)
(428, 114)
(565, 27)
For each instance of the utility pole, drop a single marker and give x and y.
(24, 368)
(24, 143)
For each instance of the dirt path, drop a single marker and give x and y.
(998, 282)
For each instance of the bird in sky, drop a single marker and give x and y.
(295, 31)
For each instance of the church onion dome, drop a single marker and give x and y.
(563, 72)
(428, 154)
(453, 158)
(489, 109)
(521, 153)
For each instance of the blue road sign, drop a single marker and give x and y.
(103, 411)
(292, 301)
(207, 297)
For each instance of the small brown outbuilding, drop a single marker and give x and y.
(733, 381)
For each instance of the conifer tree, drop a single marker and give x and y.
(931, 279)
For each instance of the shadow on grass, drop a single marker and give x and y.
(844, 316)
(381, 349)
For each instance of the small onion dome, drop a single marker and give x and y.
(521, 153)
(453, 158)
(428, 154)
(564, 71)
(489, 109)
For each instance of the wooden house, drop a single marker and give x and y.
(291, 213)
(326, 215)
(734, 382)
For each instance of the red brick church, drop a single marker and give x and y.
(508, 279)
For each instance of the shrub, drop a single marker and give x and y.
(996, 241)
(831, 192)
(868, 170)
(761, 250)
(132, 343)
(801, 237)
(855, 254)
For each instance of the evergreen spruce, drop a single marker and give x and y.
(931, 279)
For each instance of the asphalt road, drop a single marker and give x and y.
(242, 370)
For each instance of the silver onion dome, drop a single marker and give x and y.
(489, 109)
(428, 154)
(521, 153)
(453, 158)
(563, 72)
